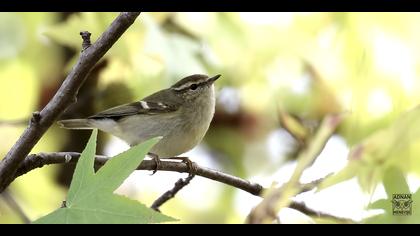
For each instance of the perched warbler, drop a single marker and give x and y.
(181, 115)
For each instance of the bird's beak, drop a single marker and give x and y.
(212, 79)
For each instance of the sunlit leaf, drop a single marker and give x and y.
(395, 183)
(370, 159)
(91, 198)
(293, 126)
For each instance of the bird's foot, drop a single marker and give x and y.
(192, 167)
(157, 161)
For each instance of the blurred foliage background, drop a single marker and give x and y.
(281, 74)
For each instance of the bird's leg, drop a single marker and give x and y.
(156, 159)
(192, 167)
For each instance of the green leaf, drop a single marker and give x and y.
(91, 198)
(56, 217)
(385, 148)
(395, 183)
(294, 126)
(84, 172)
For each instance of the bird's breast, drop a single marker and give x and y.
(190, 129)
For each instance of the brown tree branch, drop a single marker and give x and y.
(180, 184)
(39, 160)
(299, 206)
(34, 161)
(66, 95)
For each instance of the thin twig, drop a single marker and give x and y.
(10, 200)
(180, 184)
(300, 206)
(66, 95)
(86, 39)
(311, 185)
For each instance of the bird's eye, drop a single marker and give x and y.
(193, 86)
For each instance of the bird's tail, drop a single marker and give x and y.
(75, 124)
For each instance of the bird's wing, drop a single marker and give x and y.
(140, 107)
(152, 104)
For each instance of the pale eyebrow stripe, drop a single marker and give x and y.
(198, 83)
(184, 86)
(144, 105)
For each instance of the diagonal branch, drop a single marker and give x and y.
(66, 95)
(180, 184)
(277, 198)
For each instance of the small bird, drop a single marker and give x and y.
(181, 115)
